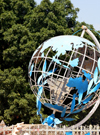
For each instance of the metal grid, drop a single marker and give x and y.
(58, 76)
(56, 91)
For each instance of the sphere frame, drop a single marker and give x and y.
(47, 76)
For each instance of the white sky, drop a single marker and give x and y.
(89, 11)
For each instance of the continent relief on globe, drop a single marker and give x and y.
(64, 75)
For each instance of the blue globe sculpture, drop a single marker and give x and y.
(64, 76)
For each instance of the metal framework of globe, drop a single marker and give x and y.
(64, 76)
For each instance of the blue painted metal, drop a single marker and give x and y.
(31, 69)
(95, 75)
(77, 31)
(87, 133)
(90, 85)
(73, 103)
(44, 67)
(87, 99)
(87, 75)
(49, 120)
(79, 84)
(94, 89)
(69, 133)
(65, 42)
(69, 119)
(56, 60)
(79, 110)
(99, 64)
(63, 112)
(65, 66)
(60, 108)
(74, 62)
(57, 121)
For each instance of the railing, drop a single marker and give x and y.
(34, 129)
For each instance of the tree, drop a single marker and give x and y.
(50, 19)
(16, 98)
(23, 27)
(12, 17)
(70, 12)
(16, 103)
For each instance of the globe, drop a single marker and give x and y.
(64, 75)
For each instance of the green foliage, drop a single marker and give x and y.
(51, 19)
(23, 27)
(17, 103)
(21, 44)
